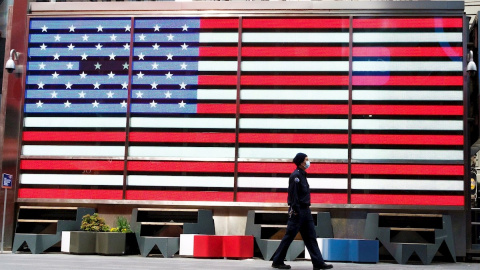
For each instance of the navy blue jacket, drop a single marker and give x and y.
(298, 190)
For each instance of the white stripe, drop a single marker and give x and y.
(406, 154)
(217, 66)
(390, 124)
(407, 95)
(172, 122)
(73, 150)
(218, 37)
(294, 66)
(217, 94)
(407, 184)
(287, 153)
(282, 182)
(407, 66)
(97, 122)
(180, 181)
(71, 179)
(295, 37)
(272, 123)
(182, 152)
(407, 37)
(292, 94)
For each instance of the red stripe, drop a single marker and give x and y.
(294, 80)
(295, 23)
(170, 195)
(73, 136)
(198, 137)
(90, 194)
(295, 51)
(218, 51)
(399, 169)
(273, 167)
(407, 109)
(216, 108)
(178, 166)
(408, 51)
(74, 165)
(409, 23)
(218, 23)
(409, 80)
(293, 138)
(281, 197)
(217, 80)
(407, 199)
(293, 109)
(407, 139)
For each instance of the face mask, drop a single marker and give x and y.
(307, 164)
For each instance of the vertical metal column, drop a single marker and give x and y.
(237, 115)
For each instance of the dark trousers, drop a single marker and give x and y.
(303, 222)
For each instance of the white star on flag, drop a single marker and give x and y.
(124, 104)
(156, 46)
(154, 85)
(99, 47)
(72, 28)
(56, 56)
(83, 75)
(156, 28)
(40, 85)
(170, 37)
(55, 75)
(110, 94)
(127, 28)
(95, 104)
(125, 66)
(142, 37)
(111, 75)
(84, 56)
(169, 75)
(126, 46)
(99, 28)
(43, 47)
(168, 94)
(39, 104)
(42, 65)
(184, 27)
(169, 56)
(182, 104)
(69, 66)
(112, 56)
(155, 65)
(68, 85)
(183, 85)
(96, 85)
(183, 65)
(70, 47)
(153, 104)
(82, 94)
(44, 28)
(57, 37)
(124, 85)
(139, 94)
(140, 75)
(54, 94)
(85, 37)
(141, 56)
(67, 104)
(113, 37)
(184, 46)
(97, 65)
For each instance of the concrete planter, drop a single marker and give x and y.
(111, 243)
(82, 242)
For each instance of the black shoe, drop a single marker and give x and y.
(323, 266)
(281, 266)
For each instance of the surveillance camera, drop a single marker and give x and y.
(10, 65)
(471, 66)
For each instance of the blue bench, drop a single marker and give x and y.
(348, 250)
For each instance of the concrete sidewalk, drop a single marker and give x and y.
(52, 261)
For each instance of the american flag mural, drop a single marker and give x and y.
(214, 109)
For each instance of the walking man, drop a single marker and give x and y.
(300, 218)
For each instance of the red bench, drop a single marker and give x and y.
(219, 246)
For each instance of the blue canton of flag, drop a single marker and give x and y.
(78, 66)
